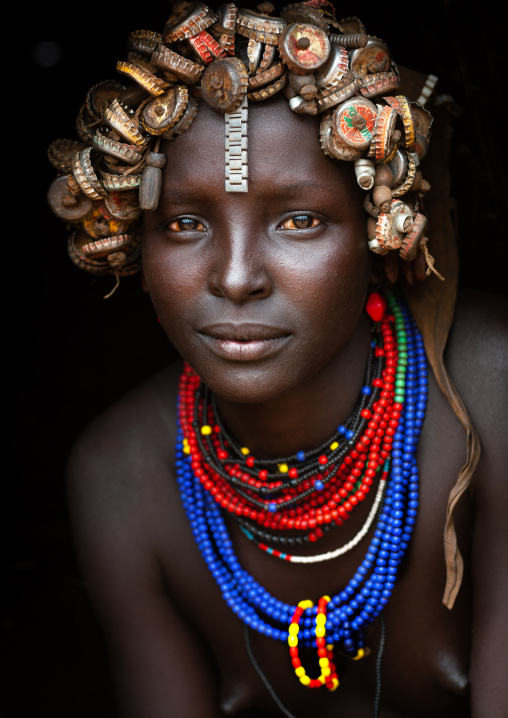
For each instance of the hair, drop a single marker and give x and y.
(372, 114)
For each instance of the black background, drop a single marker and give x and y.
(73, 352)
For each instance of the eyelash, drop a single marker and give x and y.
(315, 222)
(175, 225)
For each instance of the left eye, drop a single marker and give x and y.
(186, 224)
(301, 221)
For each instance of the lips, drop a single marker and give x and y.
(244, 342)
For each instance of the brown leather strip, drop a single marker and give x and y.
(432, 304)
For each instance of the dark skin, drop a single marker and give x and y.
(291, 255)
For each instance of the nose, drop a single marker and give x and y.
(240, 272)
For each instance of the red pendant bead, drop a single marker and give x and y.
(376, 306)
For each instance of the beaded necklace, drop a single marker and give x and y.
(207, 491)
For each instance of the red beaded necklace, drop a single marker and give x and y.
(298, 498)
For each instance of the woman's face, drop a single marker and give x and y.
(260, 291)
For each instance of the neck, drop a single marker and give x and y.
(304, 417)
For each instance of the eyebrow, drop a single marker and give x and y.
(177, 196)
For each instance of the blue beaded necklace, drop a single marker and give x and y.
(348, 613)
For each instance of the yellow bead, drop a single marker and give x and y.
(294, 629)
(305, 604)
(329, 646)
(359, 655)
(292, 641)
(320, 619)
(245, 450)
(320, 631)
(326, 598)
(324, 662)
(205, 429)
(283, 468)
(186, 449)
(335, 684)
(305, 680)
(326, 672)
(321, 679)
(334, 446)
(300, 671)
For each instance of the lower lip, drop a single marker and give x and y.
(245, 351)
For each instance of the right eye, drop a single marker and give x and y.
(186, 224)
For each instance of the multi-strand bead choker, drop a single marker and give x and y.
(295, 500)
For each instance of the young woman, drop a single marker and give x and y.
(203, 501)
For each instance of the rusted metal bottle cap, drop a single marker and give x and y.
(371, 59)
(353, 123)
(100, 96)
(226, 19)
(250, 53)
(402, 106)
(379, 84)
(304, 48)
(114, 183)
(123, 205)
(147, 80)
(118, 254)
(66, 205)
(263, 78)
(268, 90)
(327, 100)
(143, 41)
(333, 147)
(391, 228)
(188, 18)
(224, 84)
(102, 247)
(352, 25)
(119, 120)
(170, 61)
(399, 166)
(406, 182)
(85, 176)
(334, 69)
(382, 141)
(185, 120)
(422, 124)
(130, 154)
(409, 247)
(303, 13)
(159, 115)
(258, 26)
(61, 153)
(97, 226)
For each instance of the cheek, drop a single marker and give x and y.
(172, 278)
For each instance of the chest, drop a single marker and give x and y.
(418, 651)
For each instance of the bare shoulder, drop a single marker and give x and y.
(133, 429)
(477, 359)
(121, 487)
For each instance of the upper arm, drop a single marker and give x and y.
(160, 664)
(481, 350)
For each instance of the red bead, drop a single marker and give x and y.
(322, 459)
(376, 306)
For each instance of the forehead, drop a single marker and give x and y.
(284, 153)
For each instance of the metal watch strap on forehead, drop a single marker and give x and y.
(236, 149)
